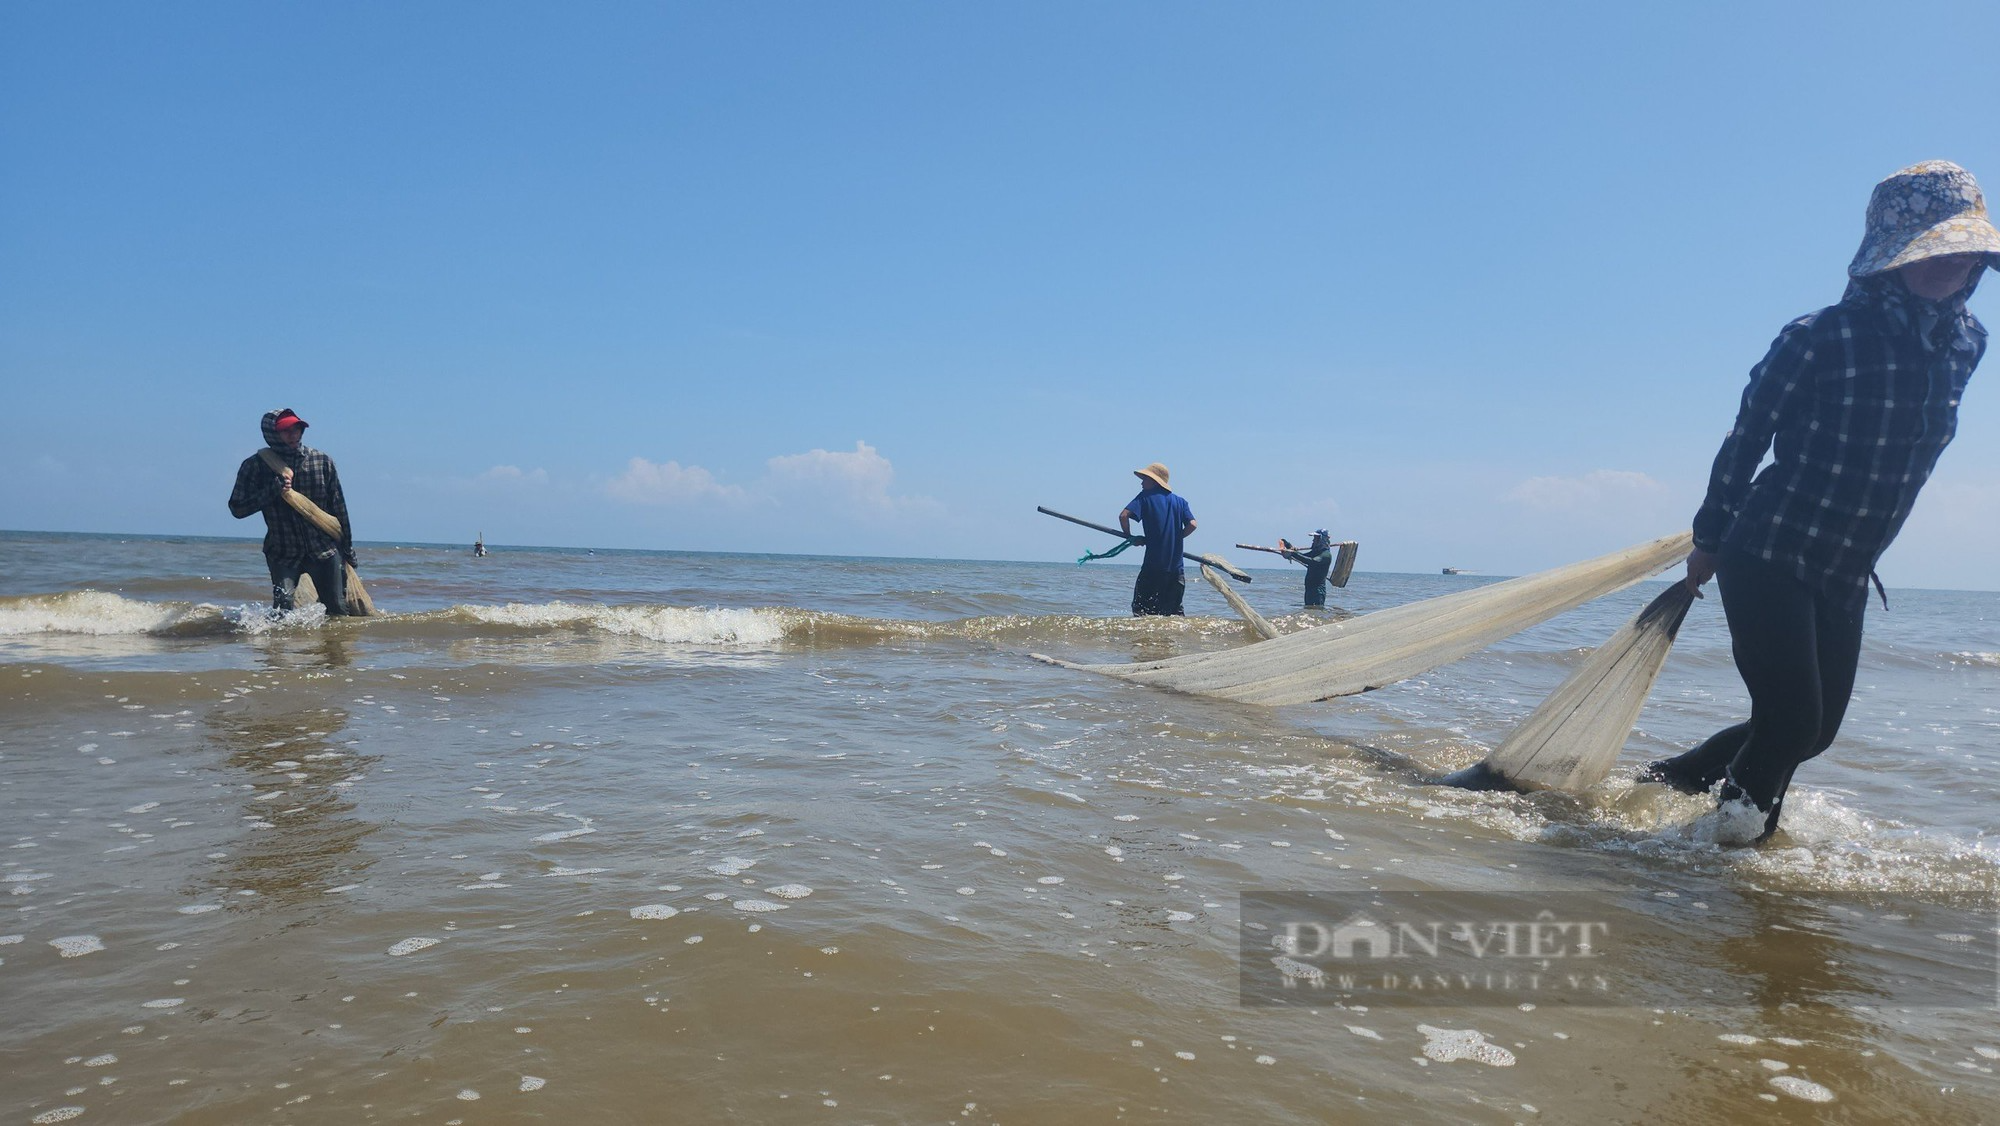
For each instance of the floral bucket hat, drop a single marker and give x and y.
(1925, 211)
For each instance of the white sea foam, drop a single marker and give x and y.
(1447, 1044)
(668, 625)
(789, 891)
(165, 1003)
(757, 905)
(533, 1083)
(77, 945)
(412, 945)
(198, 908)
(59, 1114)
(655, 911)
(1802, 1089)
(732, 866)
(94, 613)
(1302, 971)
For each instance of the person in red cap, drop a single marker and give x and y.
(293, 546)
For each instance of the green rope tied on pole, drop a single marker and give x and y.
(1090, 555)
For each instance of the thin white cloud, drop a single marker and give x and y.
(853, 483)
(513, 475)
(1595, 491)
(648, 482)
(860, 479)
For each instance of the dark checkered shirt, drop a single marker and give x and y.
(1855, 406)
(287, 535)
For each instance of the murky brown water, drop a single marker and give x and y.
(456, 872)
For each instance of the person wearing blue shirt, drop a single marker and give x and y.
(1167, 521)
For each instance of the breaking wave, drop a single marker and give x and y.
(92, 613)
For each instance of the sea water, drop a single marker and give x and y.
(652, 836)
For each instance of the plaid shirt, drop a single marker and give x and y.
(1855, 402)
(288, 536)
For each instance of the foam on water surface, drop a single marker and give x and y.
(412, 945)
(1802, 1089)
(1447, 1044)
(77, 945)
(757, 906)
(655, 911)
(667, 625)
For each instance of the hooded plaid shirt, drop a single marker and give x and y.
(288, 536)
(1855, 403)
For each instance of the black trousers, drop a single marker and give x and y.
(329, 576)
(1797, 652)
(1158, 593)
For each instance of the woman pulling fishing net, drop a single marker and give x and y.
(1855, 402)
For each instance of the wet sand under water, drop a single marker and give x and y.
(915, 879)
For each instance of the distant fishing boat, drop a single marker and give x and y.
(1456, 571)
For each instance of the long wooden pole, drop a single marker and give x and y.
(1216, 562)
(1264, 628)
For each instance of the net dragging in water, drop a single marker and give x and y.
(1572, 740)
(1343, 658)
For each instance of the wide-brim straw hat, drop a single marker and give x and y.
(1925, 211)
(1157, 473)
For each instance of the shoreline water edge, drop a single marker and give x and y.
(700, 837)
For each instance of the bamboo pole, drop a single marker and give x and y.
(1229, 595)
(1214, 561)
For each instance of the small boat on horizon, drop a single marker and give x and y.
(1456, 571)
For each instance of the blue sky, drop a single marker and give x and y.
(1477, 285)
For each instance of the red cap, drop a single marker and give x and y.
(287, 420)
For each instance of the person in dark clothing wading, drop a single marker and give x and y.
(1167, 521)
(293, 546)
(1855, 403)
(1318, 558)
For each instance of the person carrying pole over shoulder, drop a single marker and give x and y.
(1318, 560)
(294, 545)
(1167, 521)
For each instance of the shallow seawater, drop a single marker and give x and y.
(664, 837)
